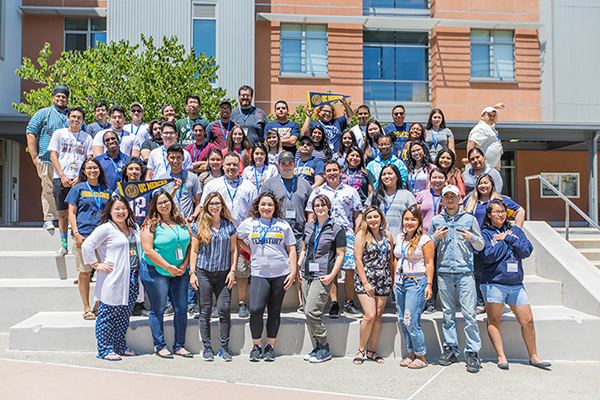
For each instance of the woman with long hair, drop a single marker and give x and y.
(322, 150)
(419, 166)
(446, 160)
(391, 198)
(168, 113)
(356, 175)
(505, 249)
(373, 129)
(238, 143)
(273, 145)
(117, 240)
(165, 241)
(439, 137)
(86, 200)
(328, 119)
(272, 246)
(346, 143)
(478, 168)
(373, 279)
(260, 169)
(214, 169)
(414, 280)
(213, 259)
(416, 132)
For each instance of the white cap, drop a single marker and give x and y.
(450, 189)
(488, 110)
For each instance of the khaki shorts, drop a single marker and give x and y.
(243, 267)
(81, 267)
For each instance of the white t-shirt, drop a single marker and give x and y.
(125, 144)
(136, 137)
(157, 161)
(359, 135)
(72, 149)
(413, 263)
(487, 139)
(262, 174)
(238, 196)
(270, 259)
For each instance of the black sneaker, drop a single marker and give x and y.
(255, 353)
(169, 311)
(208, 354)
(448, 357)
(429, 308)
(225, 354)
(215, 312)
(269, 353)
(243, 310)
(351, 310)
(192, 311)
(334, 310)
(137, 310)
(473, 363)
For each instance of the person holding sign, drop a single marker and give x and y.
(502, 280)
(272, 246)
(334, 126)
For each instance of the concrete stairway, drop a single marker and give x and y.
(587, 241)
(43, 312)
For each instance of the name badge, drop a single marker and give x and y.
(290, 214)
(262, 261)
(74, 166)
(512, 266)
(179, 254)
(313, 266)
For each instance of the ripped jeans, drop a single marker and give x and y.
(410, 299)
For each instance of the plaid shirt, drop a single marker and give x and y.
(43, 124)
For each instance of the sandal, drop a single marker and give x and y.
(359, 360)
(375, 357)
(417, 364)
(110, 357)
(406, 362)
(128, 352)
(183, 353)
(89, 315)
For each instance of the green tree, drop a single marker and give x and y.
(119, 74)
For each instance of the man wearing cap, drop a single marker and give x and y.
(485, 136)
(185, 125)
(399, 129)
(287, 130)
(39, 131)
(455, 235)
(138, 130)
(217, 132)
(293, 193)
(308, 167)
(113, 159)
(200, 149)
(251, 119)
(117, 122)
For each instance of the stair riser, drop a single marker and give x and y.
(546, 293)
(37, 266)
(593, 257)
(30, 239)
(585, 244)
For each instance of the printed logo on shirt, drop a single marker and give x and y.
(284, 131)
(304, 170)
(72, 145)
(273, 236)
(87, 193)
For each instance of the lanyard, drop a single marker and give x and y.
(225, 132)
(263, 237)
(96, 200)
(167, 165)
(197, 154)
(242, 114)
(180, 187)
(116, 168)
(403, 251)
(401, 133)
(412, 179)
(381, 247)
(435, 138)
(174, 231)
(102, 127)
(475, 177)
(301, 166)
(234, 193)
(353, 176)
(496, 132)
(386, 208)
(289, 194)
(317, 234)
(258, 182)
(137, 130)
(509, 246)
(435, 202)
(62, 117)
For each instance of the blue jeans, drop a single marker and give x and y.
(159, 287)
(410, 299)
(448, 285)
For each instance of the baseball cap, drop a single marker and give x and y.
(286, 156)
(135, 103)
(306, 137)
(224, 101)
(489, 109)
(450, 189)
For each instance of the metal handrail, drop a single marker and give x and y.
(562, 196)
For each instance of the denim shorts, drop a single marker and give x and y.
(503, 294)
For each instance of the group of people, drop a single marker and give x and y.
(276, 204)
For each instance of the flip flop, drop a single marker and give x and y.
(375, 357)
(417, 364)
(128, 353)
(406, 362)
(89, 315)
(110, 357)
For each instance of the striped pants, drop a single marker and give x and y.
(113, 321)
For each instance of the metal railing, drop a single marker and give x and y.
(568, 203)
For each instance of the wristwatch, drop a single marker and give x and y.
(192, 272)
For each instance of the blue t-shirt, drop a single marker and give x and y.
(401, 134)
(290, 127)
(334, 130)
(86, 201)
(511, 207)
(309, 169)
(112, 168)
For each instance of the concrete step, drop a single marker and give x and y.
(36, 265)
(555, 326)
(30, 239)
(543, 292)
(585, 243)
(592, 254)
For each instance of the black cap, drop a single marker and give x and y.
(286, 156)
(61, 89)
(224, 101)
(134, 160)
(306, 137)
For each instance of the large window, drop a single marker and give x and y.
(416, 4)
(204, 29)
(395, 66)
(304, 49)
(492, 54)
(82, 33)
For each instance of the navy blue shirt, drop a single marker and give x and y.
(86, 201)
(333, 129)
(112, 168)
(290, 127)
(309, 169)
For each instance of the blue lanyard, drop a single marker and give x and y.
(496, 132)
(137, 130)
(402, 133)
(263, 237)
(196, 154)
(509, 246)
(435, 138)
(403, 251)
(353, 176)
(258, 182)
(62, 117)
(167, 165)
(317, 234)
(242, 114)
(226, 132)
(301, 166)
(102, 127)
(289, 194)
(435, 202)
(116, 168)
(412, 179)
(180, 187)
(381, 247)
(96, 200)
(386, 208)
(475, 177)
(228, 192)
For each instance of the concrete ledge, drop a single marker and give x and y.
(30, 239)
(36, 265)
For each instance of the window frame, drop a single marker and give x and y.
(491, 43)
(213, 18)
(303, 73)
(2, 28)
(88, 32)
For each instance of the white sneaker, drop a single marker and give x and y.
(61, 252)
(49, 226)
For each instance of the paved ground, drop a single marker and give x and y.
(54, 375)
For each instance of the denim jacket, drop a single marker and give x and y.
(455, 254)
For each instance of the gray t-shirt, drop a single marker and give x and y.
(395, 206)
(437, 141)
(252, 123)
(184, 197)
(471, 179)
(293, 210)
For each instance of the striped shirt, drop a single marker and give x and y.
(43, 124)
(216, 256)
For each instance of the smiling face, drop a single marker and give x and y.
(410, 223)
(273, 140)
(373, 220)
(117, 120)
(437, 181)
(415, 132)
(231, 167)
(498, 215)
(385, 146)
(60, 100)
(305, 147)
(281, 111)
(353, 159)
(489, 117)
(416, 152)
(317, 136)
(398, 116)
(215, 206)
(119, 212)
(175, 160)
(445, 161)
(287, 169)
(91, 170)
(192, 106)
(136, 114)
(326, 113)
(215, 161)
(347, 140)
(224, 111)
(75, 121)
(266, 207)
(363, 116)
(111, 142)
(373, 130)
(156, 131)
(100, 113)
(245, 98)
(237, 136)
(164, 206)
(259, 157)
(133, 172)
(332, 174)
(168, 113)
(199, 133)
(169, 136)
(484, 187)
(389, 178)
(436, 120)
(477, 161)
(320, 208)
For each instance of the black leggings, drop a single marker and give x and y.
(263, 292)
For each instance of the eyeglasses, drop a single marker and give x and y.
(219, 204)
(398, 114)
(163, 203)
(168, 133)
(499, 212)
(110, 139)
(136, 110)
(246, 96)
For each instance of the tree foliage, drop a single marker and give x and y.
(119, 74)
